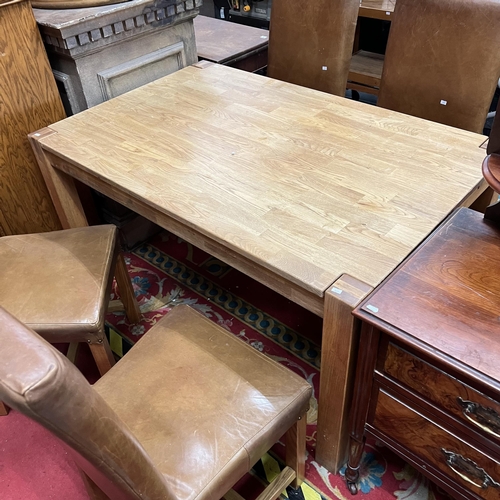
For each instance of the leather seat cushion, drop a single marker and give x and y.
(57, 283)
(197, 430)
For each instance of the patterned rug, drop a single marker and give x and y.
(166, 272)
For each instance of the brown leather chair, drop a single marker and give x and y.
(311, 43)
(183, 415)
(58, 283)
(442, 61)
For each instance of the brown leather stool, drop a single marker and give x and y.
(58, 283)
(183, 415)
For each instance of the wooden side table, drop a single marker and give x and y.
(428, 373)
(231, 44)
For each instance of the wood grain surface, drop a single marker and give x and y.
(29, 100)
(222, 41)
(306, 185)
(448, 296)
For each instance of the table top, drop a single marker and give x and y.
(447, 294)
(221, 41)
(377, 9)
(305, 184)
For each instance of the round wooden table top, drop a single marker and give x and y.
(70, 4)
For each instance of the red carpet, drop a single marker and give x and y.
(167, 272)
(34, 465)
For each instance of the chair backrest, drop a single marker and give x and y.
(38, 381)
(442, 61)
(494, 142)
(311, 42)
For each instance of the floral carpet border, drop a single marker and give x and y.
(244, 311)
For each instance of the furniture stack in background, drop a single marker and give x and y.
(231, 44)
(440, 64)
(447, 70)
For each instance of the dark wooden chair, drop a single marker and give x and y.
(310, 43)
(183, 415)
(442, 61)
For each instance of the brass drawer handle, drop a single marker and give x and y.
(486, 419)
(465, 467)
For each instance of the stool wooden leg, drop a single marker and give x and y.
(72, 351)
(4, 410)
(295, 443)
(103, 356)
(126, 291)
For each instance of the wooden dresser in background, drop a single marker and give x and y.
(29, 100)
(428, 372)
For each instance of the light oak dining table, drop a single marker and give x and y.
(316, 196)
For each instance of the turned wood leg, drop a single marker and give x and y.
(352, 472)
(4, 410)
(361, 402)
(103, 355)
(295, 446)
(338, 360)
(126, 290)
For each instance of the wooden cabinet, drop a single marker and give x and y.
(428, 376)
(231, 44)
(29, 101)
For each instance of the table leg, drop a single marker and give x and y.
(61, 186)
(338, 357)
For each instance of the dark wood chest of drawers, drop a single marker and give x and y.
(428, 373)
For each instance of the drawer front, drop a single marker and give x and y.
(462, 463)
(457, 398)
